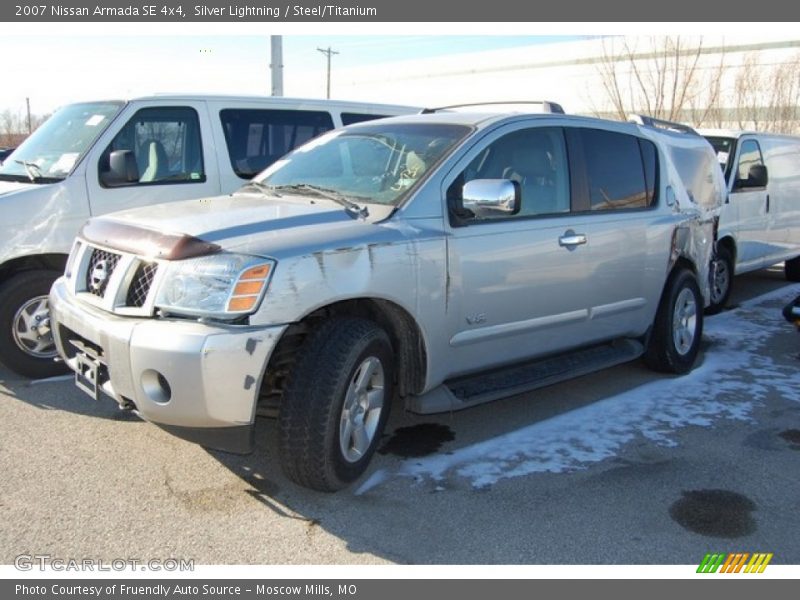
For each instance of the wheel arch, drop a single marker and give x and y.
(46, 262)
(404, 332)
(729, 244)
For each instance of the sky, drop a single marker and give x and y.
(53, 70)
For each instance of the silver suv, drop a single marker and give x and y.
(442, 259)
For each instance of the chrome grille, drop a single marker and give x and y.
(101, 266)
(140, 285)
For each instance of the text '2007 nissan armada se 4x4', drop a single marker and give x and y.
(447, 259)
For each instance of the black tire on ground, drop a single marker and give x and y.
(792, 269)
(678, 327)
(721, 280)
(18, 351)
(316, 423)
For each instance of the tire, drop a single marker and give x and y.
(675, 339)
(326, 438)
(26, 342)
(791, 269)
(721, 280)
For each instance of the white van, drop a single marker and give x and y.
(760, 220)
(93, 158)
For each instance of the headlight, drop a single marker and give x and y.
(221, 285)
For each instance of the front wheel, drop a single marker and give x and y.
(26, 338)
(678, 327)
(336, 403)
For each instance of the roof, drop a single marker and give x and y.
(274, 100)
(484, 119)
(729, 133)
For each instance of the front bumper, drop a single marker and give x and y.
(199, 381)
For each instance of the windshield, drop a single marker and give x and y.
(51, 152)
(375, 163)
(723, 147)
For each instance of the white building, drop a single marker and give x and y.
(570, 73)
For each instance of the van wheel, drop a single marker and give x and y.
(26, 339)
(675, 339)
(792, 269)
(336, 403)
(721, 280)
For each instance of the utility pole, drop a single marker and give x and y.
(276, 43)
(328, 52)
(28, 103)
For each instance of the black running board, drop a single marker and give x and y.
(472, 390)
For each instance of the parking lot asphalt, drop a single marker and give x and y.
(618, 467)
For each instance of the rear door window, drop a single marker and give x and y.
(256, 138)
(615, 169)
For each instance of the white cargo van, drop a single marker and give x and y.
(93, 158)
(760, 220)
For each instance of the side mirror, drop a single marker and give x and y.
(756, 178)
(491, 198)
(122, 169)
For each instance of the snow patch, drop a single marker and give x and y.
(733, 377)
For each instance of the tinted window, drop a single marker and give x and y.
(350, 118)
(749, 155)
(257, 138)
(650, 164)
(534, 158)
(166, 144)
(614, 166)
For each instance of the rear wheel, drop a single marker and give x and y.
(336, 403)
(792, 269)
(675, 339)
(26, 338)
(721, 280)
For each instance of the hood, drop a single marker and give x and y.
(10, 187)
(249, 223)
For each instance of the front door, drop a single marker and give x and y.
(173, 154)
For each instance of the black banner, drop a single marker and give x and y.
(321, 11)
(375, 589)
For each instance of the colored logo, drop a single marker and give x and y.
(736, 562)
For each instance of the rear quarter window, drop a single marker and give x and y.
(698, 169)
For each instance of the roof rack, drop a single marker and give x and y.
(661, 124)
(547, 106)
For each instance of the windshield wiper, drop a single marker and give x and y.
(261, 187)
(31, 168)
(338, 197)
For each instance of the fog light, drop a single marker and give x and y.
(156, 387)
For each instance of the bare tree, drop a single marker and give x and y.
(766, 97)
(14, 127)
(664, 77)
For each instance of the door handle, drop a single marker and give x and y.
(767, 202)
(571, 239)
